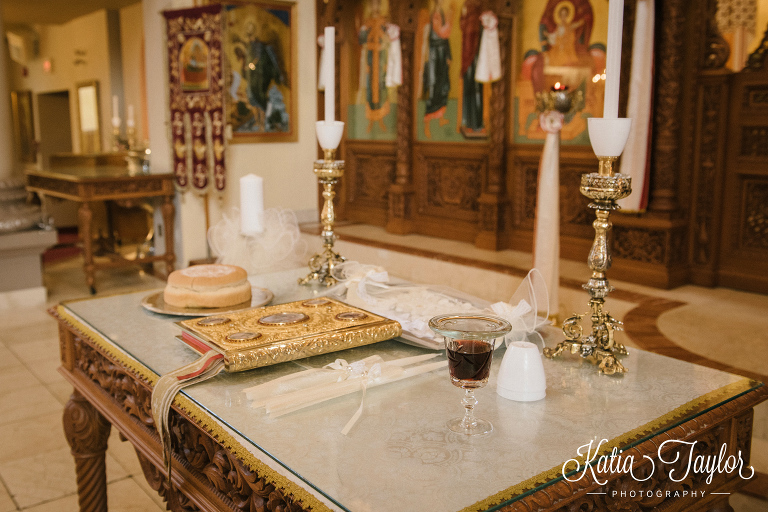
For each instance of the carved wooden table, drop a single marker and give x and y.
(87, 185)
(399, 456)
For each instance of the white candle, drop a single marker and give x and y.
(613, 59)
(329, 70)
(129, 117)
(251, 204)
(115, 113)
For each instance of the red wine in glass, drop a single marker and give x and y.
(469, 362)
(469, 343)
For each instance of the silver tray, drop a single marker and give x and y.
(156, 304)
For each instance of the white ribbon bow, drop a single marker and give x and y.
(356, 370)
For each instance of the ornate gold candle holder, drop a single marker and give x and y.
(604, 187)
(116, 140)
(328, 172)
(560, 100)
(130, 137)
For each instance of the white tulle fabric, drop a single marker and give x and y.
(278, 247)
(369, 287)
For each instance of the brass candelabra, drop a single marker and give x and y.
(604, 188)
(116, 139)
(321, 265)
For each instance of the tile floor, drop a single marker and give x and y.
(37, 471)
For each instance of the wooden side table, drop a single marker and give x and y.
(88, 185)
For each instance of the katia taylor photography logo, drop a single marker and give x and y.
(617, 462)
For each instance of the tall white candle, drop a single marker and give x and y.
(330, 71)
(251, 204)
(613, 59)
(115, 112)
(129, 117)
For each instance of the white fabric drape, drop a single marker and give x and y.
(546, 246)
(489, 57)
(634, 161)
(737, 17)
(394, 76)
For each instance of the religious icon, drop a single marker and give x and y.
(568, 50)
(436, 81)
(259, 51)
(565, 29)
(472, 91)
(456, 43)
(194, 65)
(372, 113)
(373, 40)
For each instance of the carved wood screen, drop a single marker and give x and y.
(483, 191)
(744, 248)
(396, 175)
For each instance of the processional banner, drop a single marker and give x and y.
(196, 97)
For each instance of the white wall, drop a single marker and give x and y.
(286, 167)
(7, 161)
(132, 42)
(59, 44)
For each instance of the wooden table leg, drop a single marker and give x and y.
(87, 433)
(721, 505)
(84, 218)
(168, 214)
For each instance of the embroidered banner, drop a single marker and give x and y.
(196, 97)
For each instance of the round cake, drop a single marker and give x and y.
(207, 286)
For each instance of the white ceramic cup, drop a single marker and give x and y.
(521, 376)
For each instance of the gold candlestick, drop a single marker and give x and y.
(115, 138)
(321, 265)
(604, 188)
(130, 135)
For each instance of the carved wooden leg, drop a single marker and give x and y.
(87, 433)
(168, 214)
(721, 506)
(84, 217)
(175, 500)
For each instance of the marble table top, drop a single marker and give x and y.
(400, 455)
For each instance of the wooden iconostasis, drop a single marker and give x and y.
(432, 149)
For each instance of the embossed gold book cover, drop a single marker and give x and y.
(274, 334)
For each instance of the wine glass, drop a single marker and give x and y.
(469, 344)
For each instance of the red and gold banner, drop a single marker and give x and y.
(196, 97)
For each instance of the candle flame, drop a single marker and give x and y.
(557, 86)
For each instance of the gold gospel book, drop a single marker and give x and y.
(258, 337)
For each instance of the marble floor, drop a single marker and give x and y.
(716, 327)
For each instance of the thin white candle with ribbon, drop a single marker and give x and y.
(329, 70)
(613, 59)
(251, 204)
(293, 392)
